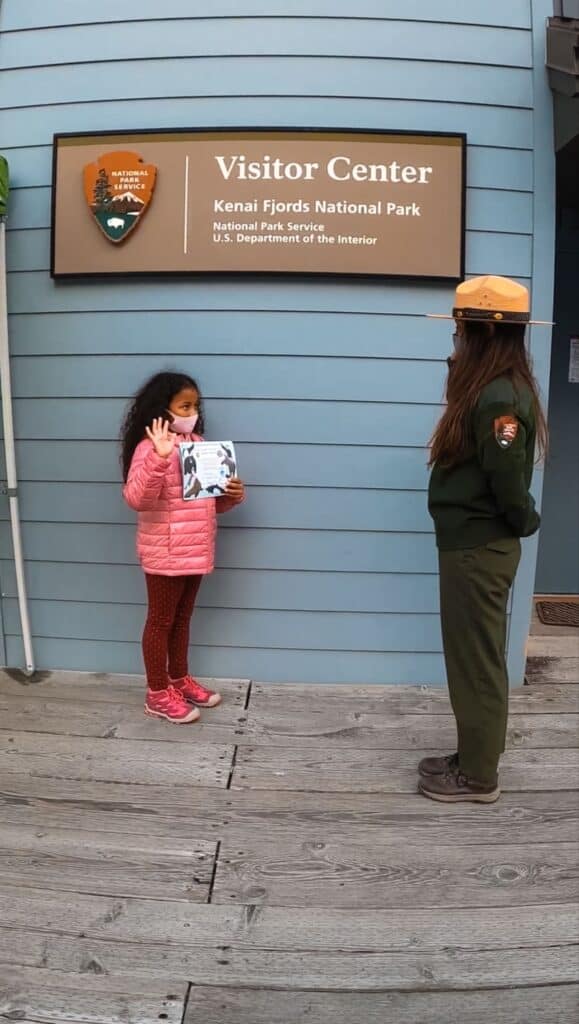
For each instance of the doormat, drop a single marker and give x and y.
(558, 613)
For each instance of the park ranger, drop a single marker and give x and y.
(482, 455)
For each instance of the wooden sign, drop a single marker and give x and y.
(387, 204)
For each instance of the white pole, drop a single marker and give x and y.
(12, 480)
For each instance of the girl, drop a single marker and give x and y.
(482, 454)
(175, 538)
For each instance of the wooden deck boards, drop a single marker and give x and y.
(275, 863)
(552, 653)
(248, 1006)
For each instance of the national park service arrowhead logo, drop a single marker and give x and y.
(118, 188)
(506, 430)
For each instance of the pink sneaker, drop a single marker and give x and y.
(170, 705)
(193, 692)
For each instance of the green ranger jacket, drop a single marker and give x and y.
(486, 497)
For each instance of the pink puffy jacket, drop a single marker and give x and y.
(174, 537)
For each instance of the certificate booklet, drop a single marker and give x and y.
(207, 466)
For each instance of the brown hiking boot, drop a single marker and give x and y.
(437, 765)
(453, 787)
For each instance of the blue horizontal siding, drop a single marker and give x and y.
(225, 332)
(295, 378)
(308, 550)
(330, 388)
(266, 76)
(252, 421)
(485, 125)
(264, 36)
(237, 588)
(236, 627)
(266, 507)
(35, 293)
(278, 590)
(35, 13)
(275, 666)
(276, 465)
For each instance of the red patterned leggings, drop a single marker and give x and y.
(166, 634)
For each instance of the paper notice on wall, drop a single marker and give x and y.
(574, 361)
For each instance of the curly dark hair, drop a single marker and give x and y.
(150, 402)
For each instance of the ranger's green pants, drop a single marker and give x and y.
(474, 590)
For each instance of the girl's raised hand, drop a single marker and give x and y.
(162, 438)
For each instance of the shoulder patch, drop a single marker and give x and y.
(506, 430)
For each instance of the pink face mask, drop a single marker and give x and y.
(184, 424)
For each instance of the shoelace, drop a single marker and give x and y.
(173, 696)
(456, 776)
(197, 687)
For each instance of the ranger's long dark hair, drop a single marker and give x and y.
(487, 351)
(151, 402)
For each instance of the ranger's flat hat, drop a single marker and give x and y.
(490, 298)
